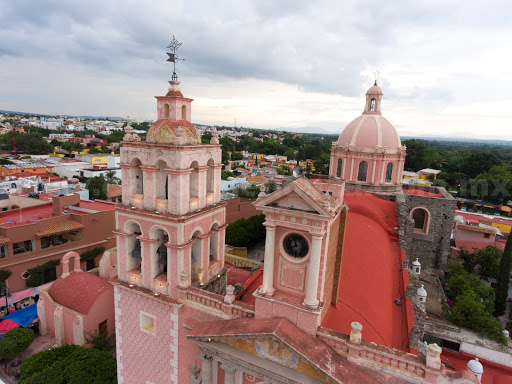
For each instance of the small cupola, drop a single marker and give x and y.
(416, 267)
(422, 294)
(373, 100)
(476, 368)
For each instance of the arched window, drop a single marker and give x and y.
(363, 170)
(184, 112)
(372, 105)
(389, 172)
(166, 110)
(162, 182)
(194, 181)
(134, 248)
(420, 217)
(338, 170)
(137, 178)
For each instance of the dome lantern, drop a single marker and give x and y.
(476, 368)
(416, 267)
(422, 294)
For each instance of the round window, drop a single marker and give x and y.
(296, 245)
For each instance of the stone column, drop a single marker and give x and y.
(206, 368)
(355, 332)
(383, 171)
(149, 177)
(178, 197)
(313, 271)
(221, 241)
(201, 190)
(184, 267)
(41, 313)
(127, 183)
(216, 182)
(229, 373)
(122, 254)
(374, 165)
(352, 169)
(268, 269)
(146, 261)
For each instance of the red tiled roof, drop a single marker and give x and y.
(371, 255)
(66, 226)
(484, 218)
(318, 353)
(114, 190)
(237, 275)
(79, 291)
(475, 228)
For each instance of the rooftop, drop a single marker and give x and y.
(421, 192)
(372, 255)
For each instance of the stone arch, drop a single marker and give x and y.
(373, 103)
(137, 177)
(162, 183)
(362, 173)
(421, 218)
(194, 181)
(65, 263)
(210, 176)
(159, 250)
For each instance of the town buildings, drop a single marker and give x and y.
(334, 301)
(42, 230)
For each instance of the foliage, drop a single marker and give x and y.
(271, 187)
(69, 364)
(72, 146)
(322, 164)
(249, 192)
(225, 174)
(503, 279)
(15, 342)
(472, 305)
(32, 143)
(237, 156)
(37, 273)
(493, 185)
(479, 162)
(283, 170)
(245, 232)
(418, 155)
(488, 260)
(97, 187)
(110, 177)
(5, 161)
(91, 253)
(206, 137)
(94, 150)
(101, 341)
(4, 275)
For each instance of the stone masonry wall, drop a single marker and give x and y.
(432, 248)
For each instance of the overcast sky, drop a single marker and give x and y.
(445, 65)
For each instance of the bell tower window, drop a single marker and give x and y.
(166, 110)
(372, 105)
(184, 112)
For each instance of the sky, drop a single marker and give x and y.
(444, 64)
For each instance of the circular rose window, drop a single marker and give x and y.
(296, 245)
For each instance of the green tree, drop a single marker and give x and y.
(503, 279)
(418, 155)
(15, 342)
(101, 341)
(94, 150)
(322, 164)
(31, 143)
(97, 187)
(488, 259)
(225, 174)
(110, 177)
(236, 235)
(69, 364)
(105, 149)
(237, 156)
(271, 187)
(494, 185)
(479, 162)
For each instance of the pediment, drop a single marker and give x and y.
(299, 196)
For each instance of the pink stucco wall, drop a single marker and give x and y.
(465, 235)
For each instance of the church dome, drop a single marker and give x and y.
(371, 130)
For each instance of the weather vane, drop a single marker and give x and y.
(173, 57)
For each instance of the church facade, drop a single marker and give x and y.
(308, 318)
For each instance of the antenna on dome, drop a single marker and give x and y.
(173, 57)
(376, 74)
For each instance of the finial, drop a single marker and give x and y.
(376, 74)
(214, 139)
(173, 57)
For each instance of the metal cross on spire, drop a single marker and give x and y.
(376, 74)
(173, 57)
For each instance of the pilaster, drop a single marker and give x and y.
(145, 265)
(313, 272)
(127, 183)
(179, 193)
(149, 177)
(268, 269)
(202, 186)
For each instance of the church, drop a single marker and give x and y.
(334, 302)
